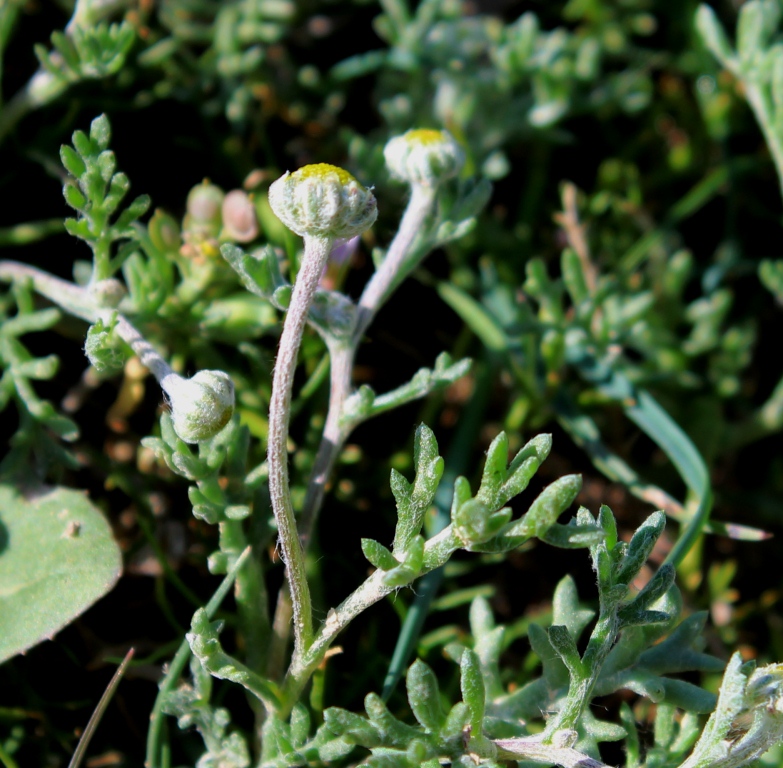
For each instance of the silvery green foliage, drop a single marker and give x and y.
(190, 704)
(755, 695)
(96, 191)
(41, 426)
(638, 643)
(104, 349)
(87, 51)
(514, 78)
(365, 404)
(756, 60)
(480, 522)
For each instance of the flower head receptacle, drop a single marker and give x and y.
(323, 201)
(424, 156)
(201, 405)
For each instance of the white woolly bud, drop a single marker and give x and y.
(424, 156)
(323, 201)
(201, 405)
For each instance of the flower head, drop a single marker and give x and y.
(323, 201)
(201, 405)
(424, 156)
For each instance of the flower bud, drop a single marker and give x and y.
(239, 217)
(164, 231)
(203, 207)
(424, 156)
(323, 201)
(201, 405)
(107, 294)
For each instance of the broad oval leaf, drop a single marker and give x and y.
(57, 557)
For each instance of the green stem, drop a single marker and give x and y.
(581, 687)
(437, 551)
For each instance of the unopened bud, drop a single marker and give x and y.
(239, 217)
(164, 231)
(323, 201)
(424, 156)
(204, 206)
(200, 406)
(107, 294)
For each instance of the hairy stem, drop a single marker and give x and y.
(315, 255)
(79, 302)
(390, 273)
(437, 551)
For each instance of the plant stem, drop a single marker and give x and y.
(581, 687)
(315, 256)
(79, 302)
(437, 551)
(390, 273)
(334, 435)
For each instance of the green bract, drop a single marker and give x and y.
(323, 200)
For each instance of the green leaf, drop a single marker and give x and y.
(566, 609)
(655, 588)
(547, 507)
(414, 499)
(424, 696)
(393, 731)
(57, 557)
(72, 162)
(100, 132)
(74, 197)
(758, 19)
(687, 696)
(378, 555)
(353, 727)
(679, 652)
(472, 685)
(562, 641)
(640, 547)
(713, 34)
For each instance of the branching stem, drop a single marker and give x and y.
(342, 354)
